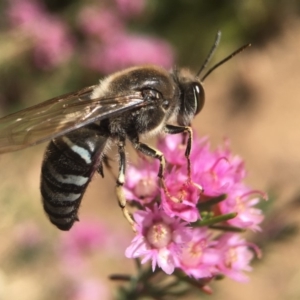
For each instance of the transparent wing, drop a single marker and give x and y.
(60, 115)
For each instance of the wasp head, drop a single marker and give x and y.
(191, 96)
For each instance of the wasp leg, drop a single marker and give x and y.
(171, 129)
(154, 153)
(120, 182)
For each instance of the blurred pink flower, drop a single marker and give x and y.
(100, 22)
(52, 43)
(235, 256)
(51, 40)
(159, 238)
(130, 8)
(24, 13)
(128, 50)
(27, 235)
(84, 237)
(82, 240)
(88, 289)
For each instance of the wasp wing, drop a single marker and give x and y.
(60, 115)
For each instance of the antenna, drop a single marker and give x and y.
(211, 52)
(241, 49)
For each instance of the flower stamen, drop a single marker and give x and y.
(159, 235)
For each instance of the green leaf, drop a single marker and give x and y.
(215, 220)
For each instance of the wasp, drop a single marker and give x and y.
(82, 126)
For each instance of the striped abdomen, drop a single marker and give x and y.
(68, 166)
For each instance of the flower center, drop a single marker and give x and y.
(191, 255)
(146, 187)
(159, 235)
(239, 205)
(182, 194)
(231, 257)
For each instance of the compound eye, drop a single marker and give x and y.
(199, 97)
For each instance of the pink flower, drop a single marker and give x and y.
(216, 171)
(182, 197)
(126, 50)
(173, 147)
(159, 238)
(219, 172)
(235, 256)
(142, 182)
(199, 257)
(242, 201)
(237, 167)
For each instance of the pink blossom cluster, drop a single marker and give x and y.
(49, 35)
(170, 228)
(75, 281)
(110, 47)
(104, 45)
(73, 250)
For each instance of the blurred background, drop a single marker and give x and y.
(50, 47)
